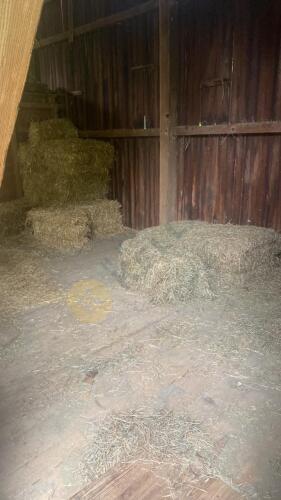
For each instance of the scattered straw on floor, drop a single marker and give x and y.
(180, 261)
(58, 167)
(24, 283)
(12, 217)
(148, 435)
(73, 226)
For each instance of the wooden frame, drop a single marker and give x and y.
(98, 24)
(250, 128)
(119, 133)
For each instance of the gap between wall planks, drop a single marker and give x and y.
(18, 24)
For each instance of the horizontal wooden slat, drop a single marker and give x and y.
(254, 128)
(119, 133)
(99, 23)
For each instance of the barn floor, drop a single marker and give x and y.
(75, 365)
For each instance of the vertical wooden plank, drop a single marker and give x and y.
(167, 184)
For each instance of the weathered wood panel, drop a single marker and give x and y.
(229, 72)
(226, 69)
(135, 180)
(230, 179)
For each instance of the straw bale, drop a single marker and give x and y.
(105, 217)
(73, 226)
(179, 261)
(60, 228)
(63, 170)
(57, 128)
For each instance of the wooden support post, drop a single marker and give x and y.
(167, 184)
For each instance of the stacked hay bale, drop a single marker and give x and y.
(179, 261)
(59, 228)
(58, 167)
(71, 227)
(66, 179)
(105, 217)
(12, 217)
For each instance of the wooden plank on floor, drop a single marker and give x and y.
(138, 482)
(132, 482)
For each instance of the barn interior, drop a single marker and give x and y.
(140, 249)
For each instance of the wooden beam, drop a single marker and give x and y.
(250, 128)
(167, 182)
(116, 133)
(104, 22)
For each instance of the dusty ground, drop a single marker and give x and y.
(65, 380)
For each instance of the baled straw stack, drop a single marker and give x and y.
(60, 228)
(12, 217)
(72, 227)
(179, 261)
(65, 170)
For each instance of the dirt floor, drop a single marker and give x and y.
(93, 375)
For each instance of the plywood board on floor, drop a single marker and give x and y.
(138, 482)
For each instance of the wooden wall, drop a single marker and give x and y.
(226, 69)
(230, 71)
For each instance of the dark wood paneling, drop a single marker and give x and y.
(135, 180)
(230, 72)
(230, 179)
(226, 69)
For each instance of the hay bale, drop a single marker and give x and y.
(179, 261)
(60, 228)
(12, 217)
(73, 226)
(153, 262)
(58, 128)
(68, 170)
(105, 217)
